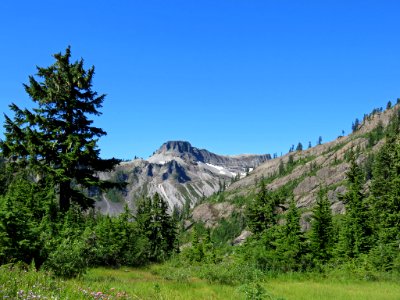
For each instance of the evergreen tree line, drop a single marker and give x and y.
(33, 229)
(367, 234)
(49, 166)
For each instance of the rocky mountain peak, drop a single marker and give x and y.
(180, 173)
(176, 146)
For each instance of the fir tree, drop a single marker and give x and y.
(261, 213)
(57, 139)
(159, 227)
(290, 247)
(385, 199)
(322, 228)
(356, 230)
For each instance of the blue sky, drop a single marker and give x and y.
(229, 76)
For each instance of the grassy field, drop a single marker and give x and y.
(146, 283)
(332, 290)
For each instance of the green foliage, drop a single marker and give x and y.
(116, 241)
(375, 135)
(21, 212)
(57, 140)
(157, 226)
(355, 126)
(69, 259)
(292, 247)
(114, 195)
(254, 291)
(385, 200)
(228, 229)
(355, 237)
(322, 234)
(5, 175)
(261, 213)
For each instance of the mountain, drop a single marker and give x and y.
(303, 173)
(181, 173)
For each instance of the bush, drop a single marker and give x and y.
(68, 260)
(230, 273)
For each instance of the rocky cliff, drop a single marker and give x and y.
(181, 173)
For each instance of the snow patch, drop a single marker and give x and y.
(221, 170)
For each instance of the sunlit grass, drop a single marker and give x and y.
(150, 283)
(328, 290)
(143, 284)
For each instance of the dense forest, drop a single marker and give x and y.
(48, 184)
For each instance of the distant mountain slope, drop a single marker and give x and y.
(181, 173)
(306, 171)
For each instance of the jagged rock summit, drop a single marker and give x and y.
(184, 151)
(181, 173)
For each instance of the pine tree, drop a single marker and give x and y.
(290, 249)
(299, 147)
(385, 199)
(159, 227)
(355, 125)
(56, 139)
(261, 213)
(322, 228)
(356, 230)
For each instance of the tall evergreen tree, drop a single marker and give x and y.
(356, 231)
(261, 213)
(322, 228)
(385, 198)
(290, 246)
(157, 225)
(57, 139)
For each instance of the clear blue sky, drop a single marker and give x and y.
(230, 76)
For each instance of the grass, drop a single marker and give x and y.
(150, 283)
(328, 289)
(144, 284)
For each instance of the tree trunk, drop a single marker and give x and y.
(65, 196)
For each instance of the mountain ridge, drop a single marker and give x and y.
(181, 173)
(305, 172)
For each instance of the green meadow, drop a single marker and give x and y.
(151, 283)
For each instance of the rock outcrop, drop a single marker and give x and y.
(180, 173)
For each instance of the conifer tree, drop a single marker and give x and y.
(322, 228)
(290, 246)
(159, 227)
(385, 198)
(261, 213)
(356, 230)
(299, 147)
(56, 139)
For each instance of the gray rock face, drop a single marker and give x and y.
(241, 238)
(180, 173)
(210, 214)
(183, 150)
(324, 166)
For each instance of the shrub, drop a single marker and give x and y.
(68, 260)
